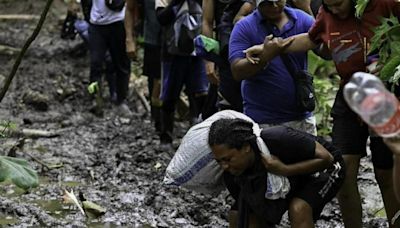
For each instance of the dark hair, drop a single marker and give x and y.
(234, 133)
(353, 6)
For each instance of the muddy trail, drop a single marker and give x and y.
(111, 161)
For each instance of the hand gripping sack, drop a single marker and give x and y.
(187, 25)
(193, 165)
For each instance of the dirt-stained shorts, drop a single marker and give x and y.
(306, 125)
(350, 135)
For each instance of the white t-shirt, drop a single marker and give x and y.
(162, 3)
(101, 15)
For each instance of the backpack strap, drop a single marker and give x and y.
(289, 66)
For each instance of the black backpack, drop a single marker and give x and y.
(186, 26)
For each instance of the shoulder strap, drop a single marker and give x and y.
(288, 63)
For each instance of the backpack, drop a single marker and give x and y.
(186, 26)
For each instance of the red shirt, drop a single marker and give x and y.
(348, 39)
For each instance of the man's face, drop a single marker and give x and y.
(341, 8)
(233, 160)
(272, 10)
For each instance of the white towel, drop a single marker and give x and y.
(277, 186)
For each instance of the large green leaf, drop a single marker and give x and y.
(395, 48)
(389, 69)
(18, 171)
(396, 77)
(384, 34)
(360, 7)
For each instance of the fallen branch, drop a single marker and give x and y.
(30, 133)
(8, 50)
(142, 99)
(34, 133)
(48, 166)
(19, 17)
(8, 80)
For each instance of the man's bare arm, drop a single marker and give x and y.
(245, 10)
(208, 18)
(246, 68)
(207, 30)
(301, 43)
(130, 19)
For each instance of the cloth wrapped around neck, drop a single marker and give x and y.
(277, 186)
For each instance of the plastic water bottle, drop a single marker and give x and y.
(369, 98)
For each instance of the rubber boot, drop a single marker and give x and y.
(156, 117)
(167, 126)
(196, 103)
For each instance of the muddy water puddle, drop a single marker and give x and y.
(53, 207)
(7, 220)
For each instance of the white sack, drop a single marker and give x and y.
(193, 165)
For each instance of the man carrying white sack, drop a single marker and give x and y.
(305, 172)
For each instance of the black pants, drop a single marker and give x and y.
(110, 37)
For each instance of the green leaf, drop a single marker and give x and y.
(360, 7)
(395, 47)
(18, 171)
(394, 32)
(93, 208)
(389, 68)
(93, 87)
(396, 77)
(388, 27)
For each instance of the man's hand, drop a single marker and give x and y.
(210, 72)
(393, 144)
(131, 49)
(253, 53)
(274, 165)
(276, 45)
(273, 46)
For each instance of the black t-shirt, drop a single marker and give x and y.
(292, 146)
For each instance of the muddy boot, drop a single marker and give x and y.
(156, 117)
(156, 104)
(167, 125)
(95, 91)
(196, 103)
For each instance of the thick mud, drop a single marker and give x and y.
(112, 161)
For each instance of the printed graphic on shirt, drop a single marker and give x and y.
(345, 46)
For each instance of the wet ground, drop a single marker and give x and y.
(111, 161)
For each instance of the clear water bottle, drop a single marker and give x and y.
(370, 99)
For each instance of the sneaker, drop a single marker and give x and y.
(124, 111)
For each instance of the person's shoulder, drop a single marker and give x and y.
(248, 20)
(246, 24)
(274, 132)
(300, 14)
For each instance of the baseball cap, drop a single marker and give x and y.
(260, 1)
